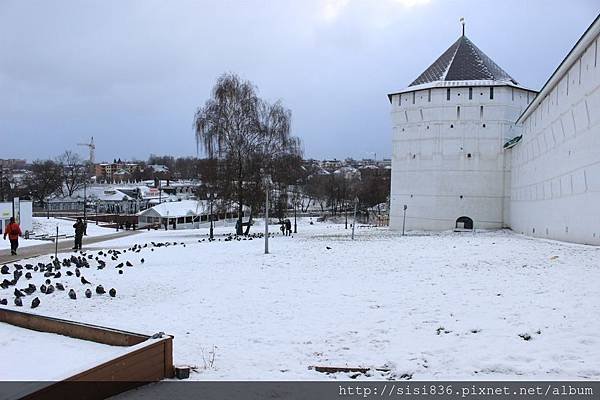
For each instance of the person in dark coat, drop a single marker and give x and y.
(13, 230)
(288, 227)
(282, 227)
(79, 228)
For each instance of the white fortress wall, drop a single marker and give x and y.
(448, 159)
(555, 180)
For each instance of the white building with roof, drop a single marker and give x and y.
(459, 160)
(185, 214)
(449, 126)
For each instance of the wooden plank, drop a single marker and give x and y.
(333, 370)
(169, 371)
(124, 367)
(123, 373)
(149, 363)
(72, 329)
(127, 370)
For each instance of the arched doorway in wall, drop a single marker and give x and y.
(464, 223)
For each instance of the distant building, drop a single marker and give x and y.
(185, 214)
(332, 165)
(12, 163)
(158, 168)
(347, 172)
(117, 171)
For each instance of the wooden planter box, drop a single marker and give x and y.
(150, 360)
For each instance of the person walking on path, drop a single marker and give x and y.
(79, 227)
(288, 227)
(13, 230)
(282, 227)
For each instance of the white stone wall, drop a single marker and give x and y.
(555, 188)
(449, 163)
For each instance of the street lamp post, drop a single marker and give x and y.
(267, 182)
(354, 219)
(404, 219)
(295, 207)
(211, 196)
(84, 201)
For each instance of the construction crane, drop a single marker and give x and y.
(92, 147)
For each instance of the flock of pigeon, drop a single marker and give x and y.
(75, 266)
(57, 269)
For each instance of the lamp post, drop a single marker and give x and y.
(404, 219)
(354, 219)
(211, 197)
(267, 183)
(85, 201)
(295, 223)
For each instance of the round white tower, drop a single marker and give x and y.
(449, 128)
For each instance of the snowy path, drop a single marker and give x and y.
(47, 226)
(447, 306)
(63, 245)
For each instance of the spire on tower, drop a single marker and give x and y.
(462, 22)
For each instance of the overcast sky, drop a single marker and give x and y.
(132, 73)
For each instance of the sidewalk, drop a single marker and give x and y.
(48, 248)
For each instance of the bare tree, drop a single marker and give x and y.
(44, 180)
(74, 172)
(245, 134)
(317, 188)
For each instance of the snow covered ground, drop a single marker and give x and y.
(47, 226)
(493, 305)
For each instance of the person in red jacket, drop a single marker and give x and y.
(13, 230)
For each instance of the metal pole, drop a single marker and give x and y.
(267, 220)
(346, 215)
(354, 220)
(295, 225)
(56, 244)
(404, 219)
(84, 202)
(211, 218)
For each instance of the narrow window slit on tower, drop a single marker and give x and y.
(480, 112)
(470, 93)
(413, 97)
(429, 95)
(457, 112)
(491, 93)
(448, 94)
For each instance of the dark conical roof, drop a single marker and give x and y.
(463, 61)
